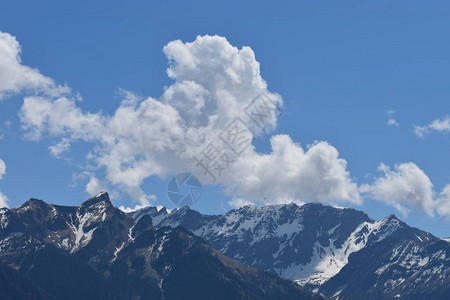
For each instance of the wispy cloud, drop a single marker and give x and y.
(391, 120)
(438, 125)
(59, 148)
(2, 169)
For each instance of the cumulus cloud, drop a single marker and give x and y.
(439, 125)
(406, 187)
(95, 186)
(391, 120)
(3, 199)
(291, 174)
(58, 117)
(443, 202)
(213, 83)
(16, 77)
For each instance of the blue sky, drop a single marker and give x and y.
(342, 70)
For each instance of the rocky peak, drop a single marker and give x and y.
(101, 198)
(33, 203)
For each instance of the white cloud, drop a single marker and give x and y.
(405, 187)
(443, 202)
(94, 186)
(2, 168)
(131, 144)
(391, 120)
(213, 83)
(4, 128)
(240, 202)
(59, 148)
(3, 199)
(129, 209)
(60, 117)
(291, 174)
(439, 125)
(15, 77)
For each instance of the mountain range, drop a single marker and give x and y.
(96, 251)
(340, 253)
(312, 251)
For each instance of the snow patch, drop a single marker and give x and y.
(100, 194)
(117, 251)
(82, 238)
(3, 218)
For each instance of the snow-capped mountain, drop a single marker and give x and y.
(319, 246)
(95, 251)
(37, 224)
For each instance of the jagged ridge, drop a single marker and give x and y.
(319, 246)
(95, 251)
